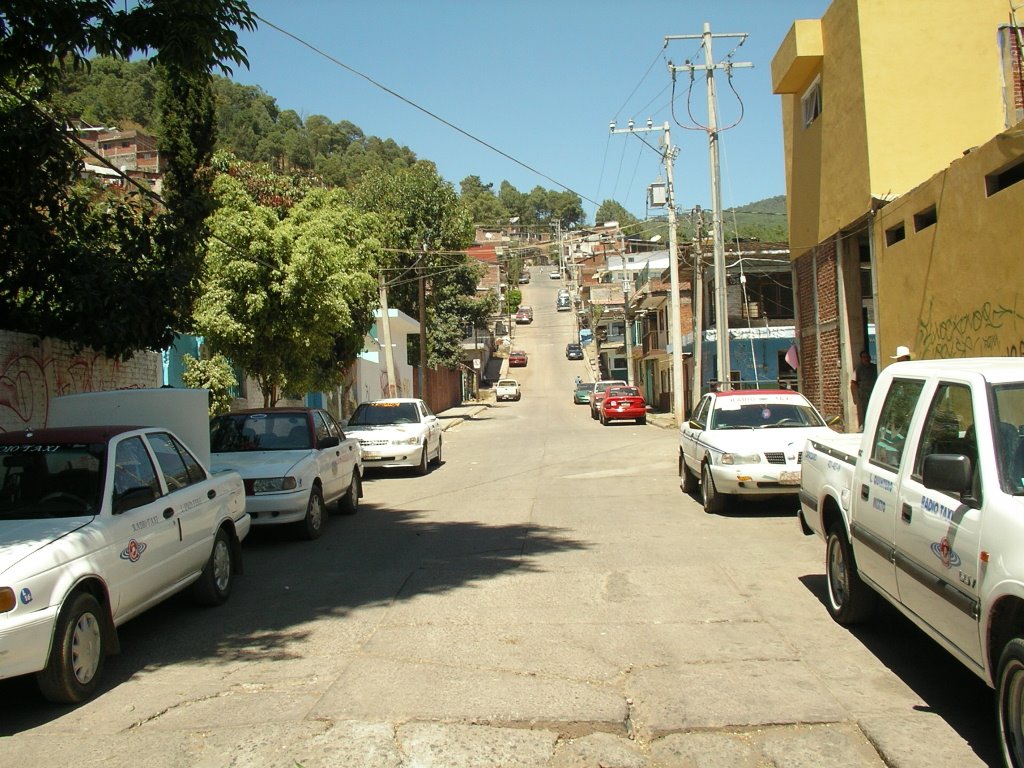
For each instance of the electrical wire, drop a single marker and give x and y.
(424, 110)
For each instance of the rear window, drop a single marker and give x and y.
(508, 383)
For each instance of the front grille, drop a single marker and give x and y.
(778, 457)
(372, 443)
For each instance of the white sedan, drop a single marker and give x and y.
(295, 463)
(98, 524)
(397, 432)
(746, 443)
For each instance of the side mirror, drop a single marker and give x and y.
(694, 424)
(832, 421)
(947, 472)
(328, 442)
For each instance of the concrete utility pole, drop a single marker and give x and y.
(385, 329)
(721, 295)
(422, 301)
(675, 324)
(697, 302)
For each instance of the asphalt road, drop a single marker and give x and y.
(546, 597)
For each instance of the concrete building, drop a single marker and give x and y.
(878, 99)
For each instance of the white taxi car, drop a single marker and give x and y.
(98, 524)
(397, 432)
(746, 442)
(295, 463)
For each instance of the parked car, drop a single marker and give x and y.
(598, 395)
(517, 359)
(97, 525)
(746, 443)
(621, 403)
(555, 274)
(524, 315)
(573, 351)
(524, 278)
(581, 395)
(563, 304)
(295, 462)
(397, 432)
(507, 389)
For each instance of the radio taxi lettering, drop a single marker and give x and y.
(935, 508)
(881, 482)
(142, 525)
(133, 551)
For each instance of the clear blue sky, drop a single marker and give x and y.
(540, 81)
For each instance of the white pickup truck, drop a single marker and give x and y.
(926, 510)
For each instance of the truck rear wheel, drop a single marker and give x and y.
(850, 600)
(1010, 702)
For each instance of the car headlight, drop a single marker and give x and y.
(741, 458)
(274, 484)
(414, 440)
(7, 599)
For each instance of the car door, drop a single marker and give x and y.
(143, 538)
(343, 456)
(876, 491)
(191, 494)
(690, 434)
(937, 534)
(433, 427)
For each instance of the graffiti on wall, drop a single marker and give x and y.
(992, 329)
(30, 375)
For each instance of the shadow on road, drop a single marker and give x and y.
(374, 558)
(948, 689)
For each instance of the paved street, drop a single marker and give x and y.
(546, 597)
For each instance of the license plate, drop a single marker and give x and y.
(789, 478)
(371, 455)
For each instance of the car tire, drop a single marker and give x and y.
(687, 480)
(437, 458)
(423, 467)
(1010, 702)
(349, 503)
(603, 420)
(313, 523)
(714, 502)
(850, 600)
(77, 653)
(642, 420)
(214, 584)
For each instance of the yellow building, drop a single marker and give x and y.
(877, 98)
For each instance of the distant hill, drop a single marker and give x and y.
(763, 220)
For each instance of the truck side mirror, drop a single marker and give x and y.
(947, 472)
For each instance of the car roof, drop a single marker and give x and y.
(275, 409)
(393, 400)
(53, 435)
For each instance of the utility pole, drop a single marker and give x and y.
(385, 327)
(627, 326)
(675, 324)
(697, 296)
(721, 295)
(423, 323)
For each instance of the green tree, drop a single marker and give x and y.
(483, 205)
(289, 300)
(610, 210)
(428, 230)
(110, 272)
(215, 374)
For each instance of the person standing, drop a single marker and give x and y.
(864, 377)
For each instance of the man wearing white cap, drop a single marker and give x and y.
(902, 353)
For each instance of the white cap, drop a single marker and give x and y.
(901, 352)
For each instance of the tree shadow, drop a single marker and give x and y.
(374, 558)
(949, 689)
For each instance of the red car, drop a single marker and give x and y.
(517, 359)
(623, 403)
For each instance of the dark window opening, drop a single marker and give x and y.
(894, 234)
(996, 182)
(925, 218)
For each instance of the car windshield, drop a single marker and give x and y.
(1008, 415)
(379, 414)
(585, 387)
(764, 415)
(237, 432)
(62, 480)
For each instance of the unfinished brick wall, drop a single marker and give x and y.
(32, 370)
(818, 333)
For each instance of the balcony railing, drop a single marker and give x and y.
(655, 341)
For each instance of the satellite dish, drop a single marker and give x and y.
(655, 239)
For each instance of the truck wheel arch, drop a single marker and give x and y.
(1005, 622)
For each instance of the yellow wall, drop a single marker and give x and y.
(953, 289)
(906, 87)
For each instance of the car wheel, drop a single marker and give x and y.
(687, 480)
(422, 468)
(437, 458)
(850, 600)
(1010, 702)
(714, 502)
(349, 503)
(214, 584)
(77, 654)
(313, 523)
(642, 420)
(603, 420)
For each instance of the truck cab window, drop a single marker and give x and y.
(894, 422)
(949, 429)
